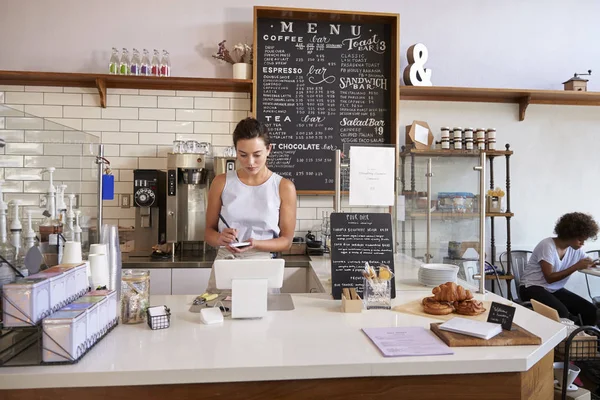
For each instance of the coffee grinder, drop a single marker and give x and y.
(187, 195)
(150, 212)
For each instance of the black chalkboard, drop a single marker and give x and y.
(502, 314)
(320, 85)
(357, 238)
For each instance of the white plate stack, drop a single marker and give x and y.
(433, 275)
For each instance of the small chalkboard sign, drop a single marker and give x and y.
(357, 238)
(502, 314)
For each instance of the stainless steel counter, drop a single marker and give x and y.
(197, 261)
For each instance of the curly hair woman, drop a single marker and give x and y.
(554, 259)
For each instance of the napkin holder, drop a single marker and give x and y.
(351, 301)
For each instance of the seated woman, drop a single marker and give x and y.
(554, 259)
(252, 204)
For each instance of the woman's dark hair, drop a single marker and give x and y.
(576, 225)
(250, 128)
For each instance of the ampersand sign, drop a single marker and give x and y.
(415, 73)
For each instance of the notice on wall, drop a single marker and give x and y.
(372, 176)
(320, 85)
(357, 238)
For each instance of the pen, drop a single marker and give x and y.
(227, 225)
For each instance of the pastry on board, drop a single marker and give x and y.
(451, 292)
(469, 307)
(450, 297)
(434, 307)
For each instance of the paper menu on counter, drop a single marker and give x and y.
(372, 176)
(407, 341)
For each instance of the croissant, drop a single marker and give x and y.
(451, 292)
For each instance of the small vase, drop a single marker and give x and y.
(242, 71)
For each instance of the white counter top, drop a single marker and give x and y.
(315, 340)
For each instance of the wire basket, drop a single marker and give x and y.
(585, 353)
(162, 321)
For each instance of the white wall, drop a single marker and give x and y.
(485, 43)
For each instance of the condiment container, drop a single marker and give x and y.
(457, 138)
(70, 281)
(95, 319)
(111, 298)
(491, 139)
(57, 287)
(468, 134)
(480, 138)
(91, 312)
(135, 293)
(445, 137)
(25, 302)
(103, 313)
(65, 334)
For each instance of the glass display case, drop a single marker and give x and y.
(442, 218)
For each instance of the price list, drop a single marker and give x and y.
(320, 85)
(357, 238)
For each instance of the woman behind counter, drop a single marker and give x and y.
(553, 261)
(258, 204)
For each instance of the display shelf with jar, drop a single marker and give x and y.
(452, 207)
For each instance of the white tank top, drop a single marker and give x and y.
(252, 210)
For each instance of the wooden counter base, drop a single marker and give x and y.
(535, 384)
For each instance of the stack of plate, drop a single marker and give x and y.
(436, 274)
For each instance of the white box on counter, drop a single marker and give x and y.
(25, 302)
(111, 307)
(57, 288)
(77, 282)
(64, 337)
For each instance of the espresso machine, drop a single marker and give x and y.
(224, 164)
(150, 213)
(187, 196)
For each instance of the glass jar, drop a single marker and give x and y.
(458, 138)
(135, 295)
(445, 137)
(178, 146)
(491, 139)
(468, 134)
(480, 138)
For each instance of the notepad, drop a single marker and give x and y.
(469, 327)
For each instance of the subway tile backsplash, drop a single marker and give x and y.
(137, 129)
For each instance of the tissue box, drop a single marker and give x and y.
(65, 334)
(25, 302)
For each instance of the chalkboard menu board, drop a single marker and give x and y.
(320, 84)
(357, 238)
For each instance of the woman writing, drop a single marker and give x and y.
(553, 261)
(258, 205)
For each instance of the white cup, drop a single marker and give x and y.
(559, 371)
(71, 253)
(99, 270)
(98, 248)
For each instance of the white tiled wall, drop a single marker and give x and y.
(137, 129)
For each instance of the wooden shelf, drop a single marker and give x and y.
(455, 153)
(104, 81)
(522, 97)
(451, 215)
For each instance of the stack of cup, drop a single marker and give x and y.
(110, 238)
(98, 266)
(72, 253)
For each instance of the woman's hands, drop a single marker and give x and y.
(227, 236)
(237, 250)
(584, 263)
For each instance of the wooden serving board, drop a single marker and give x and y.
(517, 337)
(415, 307)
